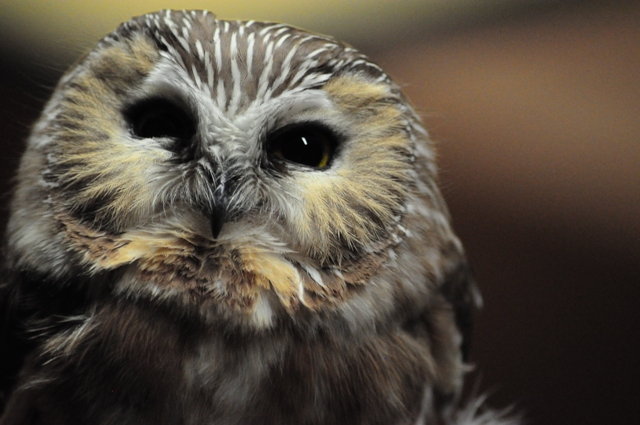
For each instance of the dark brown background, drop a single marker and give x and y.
(537, 116)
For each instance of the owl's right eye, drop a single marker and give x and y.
(156, 118)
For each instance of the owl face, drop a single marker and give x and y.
(243, 171)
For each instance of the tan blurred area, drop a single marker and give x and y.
(535, 107)
(538, 121)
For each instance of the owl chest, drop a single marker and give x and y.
(146, 369)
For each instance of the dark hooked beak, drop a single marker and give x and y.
(218, 209)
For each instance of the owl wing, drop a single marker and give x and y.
(32, 307)
(461, 291)
(13, 346)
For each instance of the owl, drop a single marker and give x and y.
(231, 222)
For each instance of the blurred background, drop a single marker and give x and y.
(535, 106)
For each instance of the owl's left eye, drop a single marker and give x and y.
(156, 118)
(308, 144)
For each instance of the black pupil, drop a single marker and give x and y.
(157, 118)
(308, 145)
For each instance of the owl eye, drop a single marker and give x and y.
(155, 118)
(308, 144)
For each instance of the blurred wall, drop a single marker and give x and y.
(538, 122)
(536, 113)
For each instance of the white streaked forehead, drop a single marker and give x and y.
(241, 62)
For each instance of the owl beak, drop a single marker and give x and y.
(218, 210)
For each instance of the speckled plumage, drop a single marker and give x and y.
(329, 296)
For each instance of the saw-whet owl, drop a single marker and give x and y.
(230, 222)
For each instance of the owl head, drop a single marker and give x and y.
(244, 172)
